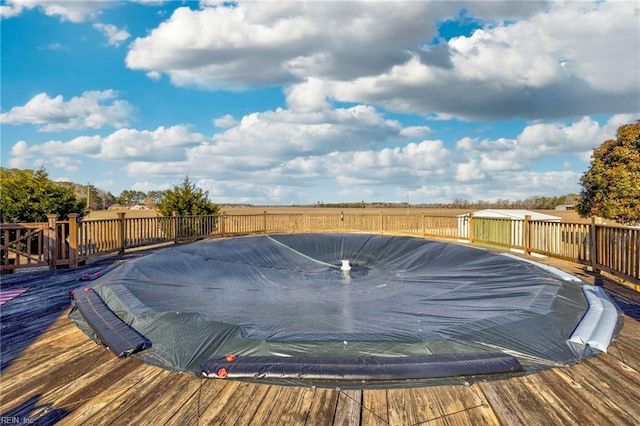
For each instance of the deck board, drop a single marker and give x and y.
(190, 413)
(116, 411)
(400, 409)
(575, 394)
(375, 407)
(348, 408)
(453, 405)
(52, 373)
(323, 407)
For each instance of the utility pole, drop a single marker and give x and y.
(88, 195)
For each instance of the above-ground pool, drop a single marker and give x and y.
(350, 308)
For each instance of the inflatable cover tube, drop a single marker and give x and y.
(373, 368)
(119, 337)
(598, 323)
(552, 270)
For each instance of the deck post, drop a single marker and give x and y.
(264, 222)
(593, 243)
(526, 235)
(223, 218)
(52, 240)
(174, 226)
(74, 218)
(121, 233)
(470, 229)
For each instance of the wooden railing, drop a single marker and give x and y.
(24, 245)
(614, 249)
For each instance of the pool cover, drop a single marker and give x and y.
(285, 296)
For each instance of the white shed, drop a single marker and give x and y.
(516, 225)
(515, 214)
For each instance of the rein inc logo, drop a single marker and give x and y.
(16, 420)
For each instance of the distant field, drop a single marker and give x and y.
(337, 210)
(113, 214)
(566, 215)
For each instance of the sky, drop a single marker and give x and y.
(294, 102)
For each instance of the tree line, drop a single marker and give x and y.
(29, 195)
(532, 203)
(610, 189)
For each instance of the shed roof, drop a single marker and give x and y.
(514, 214)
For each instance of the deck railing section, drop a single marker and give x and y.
(498, 232)
(24, 245)
(144, 231)
(618, 251)
(614, 249)
(447, 227)
(190, 228)
(283, 222)
(570, 241)
(242, 224)
(100, 237)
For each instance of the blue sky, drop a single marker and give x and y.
(276, 102)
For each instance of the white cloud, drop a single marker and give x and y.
(74, 11)
(387, 166)
(580, 138)
(162, 144)
(532, 60)
(150, 2)
(286, 41)
(536, 141)
(308, 96)
(104, 183)
(550, 48)
(82, 145)
(225, 121)
(283, 149)
(150, 186)
(23, 156)
(310, 154)
(469, 171)
(262, 140)
(154, 75)
(63, 162)
(114, 35)
(93, 109)
(415, 131)
(57, 46)
(9, 11)
(18, 163)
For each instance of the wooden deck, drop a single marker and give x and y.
(53, 373)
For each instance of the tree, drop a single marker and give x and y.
(611, 186)
(187, 199)
(130, 197)
(28, 196)
(92, 198)
(109, 199)
(153, 198)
